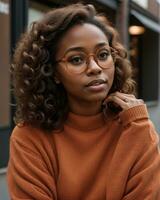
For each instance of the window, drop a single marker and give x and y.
(36, 10)
(144, 54)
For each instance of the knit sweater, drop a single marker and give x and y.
(90, 159)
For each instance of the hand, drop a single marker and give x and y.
(124, 101)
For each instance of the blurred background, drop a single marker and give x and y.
(138, 23)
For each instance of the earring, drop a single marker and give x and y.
(57, 81)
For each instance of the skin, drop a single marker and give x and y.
(84, 100)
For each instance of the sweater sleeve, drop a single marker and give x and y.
(144, 177)
(28, 175)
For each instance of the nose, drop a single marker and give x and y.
(93, 68)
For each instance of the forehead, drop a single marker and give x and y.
(83, 35)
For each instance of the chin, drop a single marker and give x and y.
(98, 97)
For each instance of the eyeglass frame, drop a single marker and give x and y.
(63, 59)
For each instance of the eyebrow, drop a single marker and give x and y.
(101, 44)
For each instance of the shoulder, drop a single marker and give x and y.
(26, 132)
(28, 137)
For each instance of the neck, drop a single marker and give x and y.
(81, 108)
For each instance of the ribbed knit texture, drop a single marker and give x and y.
(93, 158)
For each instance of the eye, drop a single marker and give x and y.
(76, 60)
(103, 54)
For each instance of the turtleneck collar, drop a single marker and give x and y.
(86, 123)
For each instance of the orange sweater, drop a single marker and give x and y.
(92, 159)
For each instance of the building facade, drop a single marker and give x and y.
(145, 54)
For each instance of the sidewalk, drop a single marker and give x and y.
(3, 187)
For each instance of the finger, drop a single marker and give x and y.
(129, 98)
(141, 101)
(131, 95)
(123, 95)
(124, 98)
(112, 95)
(118, 101)
(124, 103)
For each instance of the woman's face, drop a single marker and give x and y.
(86, 69)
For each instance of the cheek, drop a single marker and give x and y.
(70, 82)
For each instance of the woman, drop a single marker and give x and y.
(81, 134)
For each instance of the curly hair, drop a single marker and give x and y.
(40, 101)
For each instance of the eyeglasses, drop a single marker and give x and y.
(77, 63)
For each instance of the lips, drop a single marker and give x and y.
(96, 82)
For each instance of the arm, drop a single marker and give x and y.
(138, 147)
(28, 175)
(144, 179)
